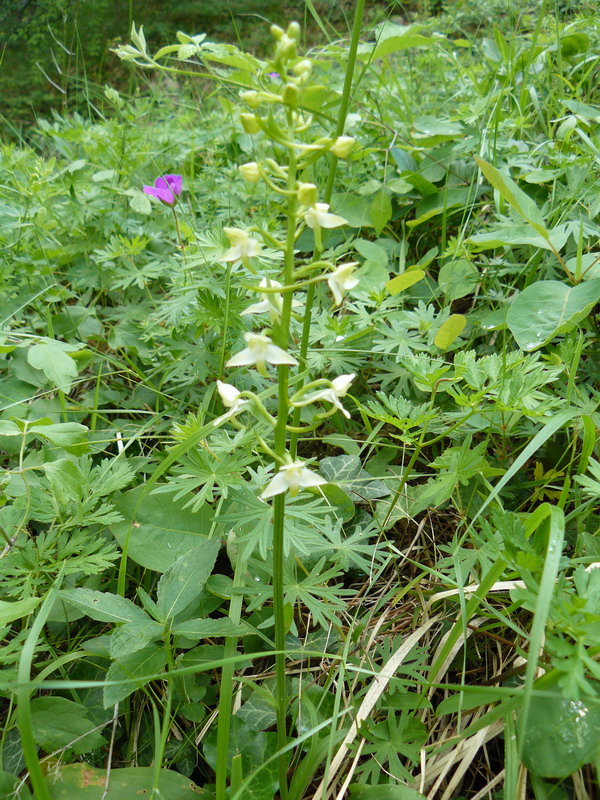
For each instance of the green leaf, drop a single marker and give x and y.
(13, 788)
(515, 197)
(139, 665)
(207, 628)
(544, 309)
(507, 234)
(133, 636)
(104, 607)
(184, 580)
(161, 531)
(380, 210)
(62, 434)
(458, 279)
(20, 608)
(561, 735)
(396, 792)
(347, 473)
(82, 782)
(58, 723)
(404, 281)
(57, 366)
(449, 331)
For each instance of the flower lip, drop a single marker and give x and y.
(166, 189)
(260, 351)
(292, 477)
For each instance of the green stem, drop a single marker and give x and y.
(359, 10)
(226, 693)
(177, 228)
(281, 338)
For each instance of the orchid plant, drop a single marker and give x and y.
(275, 109)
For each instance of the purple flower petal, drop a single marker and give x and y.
(174, 182)
(161, 191)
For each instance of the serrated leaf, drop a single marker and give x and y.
(133, 636)
(105, 607)
(58, 722)
(140, 665)
(449, 331)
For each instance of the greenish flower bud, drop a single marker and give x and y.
(276, 32)
(250, 123)
(251, 97)
(250, 171)
(303, 68)
(294, 31)
(342, 147)
(307, 194)
(290, 94)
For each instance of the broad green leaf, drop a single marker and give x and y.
(161, 531)
(371, 251)
(16, 610)
(393, 38)
(133, 636)
(458, 278)
(9, 428)
(347, 473)
(105, 607)
(561, 735)
(206, 628)
(57, 366)
(515, 197)
(184, 580)
(404, 281)
(339, 500)
(140, 665)
(13, 788)
(543, 309)
(58, 722)
(449, 331)
(82, 782)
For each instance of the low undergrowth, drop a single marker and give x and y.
(299, 416)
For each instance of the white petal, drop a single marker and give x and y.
(308, 478)
(258, 308)
(277, 485)
(275, 355)
(242, 359)
(326, 220)
(229, 394)
(342, 383)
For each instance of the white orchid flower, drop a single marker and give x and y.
(260, 351)
(331, 394)
(272, 303)
(341, 281)
(231, 400)
(292, 477)
(242, 246)
(318, 216)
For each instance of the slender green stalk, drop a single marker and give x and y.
(281, 336)
(226, 693)
(359, 10)
(23, 692)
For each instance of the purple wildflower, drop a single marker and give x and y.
(273, 75)
(166, 189)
